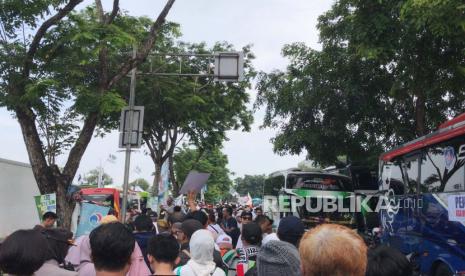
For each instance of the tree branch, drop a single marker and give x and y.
(42, 31)
(76, 153)
(101, 13)
(146, 47)
(114, 12)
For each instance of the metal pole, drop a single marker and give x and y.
(127, 162)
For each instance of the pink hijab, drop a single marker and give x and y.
(80, 257)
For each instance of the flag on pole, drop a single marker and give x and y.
(249, 200)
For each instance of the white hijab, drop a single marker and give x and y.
(201, 250)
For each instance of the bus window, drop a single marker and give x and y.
(392, 178)
(100, 199)
(273, 185)
(318, 182)
(440, 169)
(410, 168)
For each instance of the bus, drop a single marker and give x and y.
(311, 186)
(421, 179)
(109, 197)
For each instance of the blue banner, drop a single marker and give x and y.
(90, 218)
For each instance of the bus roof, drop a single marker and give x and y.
(446, 131)
(314, 172)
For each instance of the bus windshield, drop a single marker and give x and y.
(100, 199)
(318, 182)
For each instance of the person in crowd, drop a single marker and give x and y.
(213, 227)
(237, 216)
(23, 252)
(163, 254)
(258, 211)
(169, 205)
(188, 227)
(201, 262)
(219, 215)
(58, 243)
(162, 222)
(246, 217)
(265, 223)
(331, 249)
(177, 232)
(177, 215)
(291, 230)
(224, 242)
(277, 258)
(48, 221)
(387, 261)
(200, 216)
(251, 239)
(144, 230)
(229, 225)
(80, 255)
(112, 245)
(154, 217)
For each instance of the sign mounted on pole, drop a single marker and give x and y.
(137, 127)
(229, 66)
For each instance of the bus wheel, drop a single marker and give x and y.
(443, 270)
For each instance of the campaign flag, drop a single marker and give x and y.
(90, 218)
(46, 203)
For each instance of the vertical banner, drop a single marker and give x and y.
(91, 215)
(164, 184)
(45, 203)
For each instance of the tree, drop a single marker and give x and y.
(91, 178)
(211, 161)
(197, 110)
(58, 74)
(380, 79)
(252, 184)
(141, 182)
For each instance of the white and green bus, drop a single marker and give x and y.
(293, 185)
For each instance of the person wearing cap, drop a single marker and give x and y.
(224, 242)
(48, 221)
(242, 259)
(246, 217)
(278, 258)
(291, 230)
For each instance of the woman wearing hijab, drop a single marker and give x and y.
(201, 261)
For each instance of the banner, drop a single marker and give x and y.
(456, 207)
(164, 184)
(45, 203)
(90, 218)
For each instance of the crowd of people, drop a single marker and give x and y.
(225, 240)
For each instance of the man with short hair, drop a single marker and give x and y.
(144, 230)
(229, 225)
(163, 254)
(291, 229)
(48, 221)
(112, 245)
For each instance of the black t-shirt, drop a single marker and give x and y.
(234, 234)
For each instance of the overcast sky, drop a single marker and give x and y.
(267, 24)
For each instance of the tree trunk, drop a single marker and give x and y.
(65, 205)
(157, 178)
(175, 184)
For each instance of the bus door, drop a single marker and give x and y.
(401, 221)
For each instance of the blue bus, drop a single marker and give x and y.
(419, 179)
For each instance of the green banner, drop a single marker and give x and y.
(45, 203)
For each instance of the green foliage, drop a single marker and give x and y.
(91, 178)
(141, 182)
(212, 161)
(380, 79)
(252, 184)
